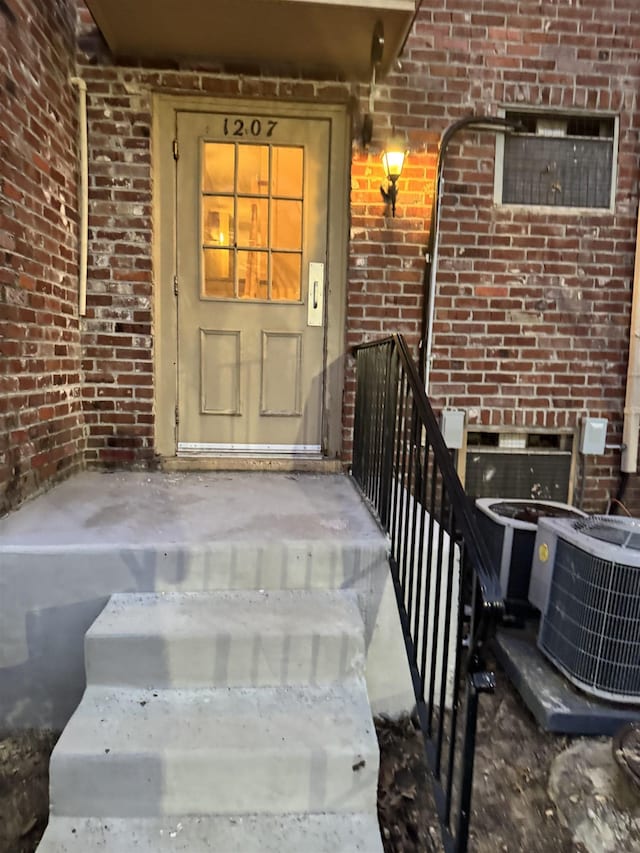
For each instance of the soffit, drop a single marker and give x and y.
(314, 38)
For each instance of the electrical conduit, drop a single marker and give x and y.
(84, 192)
(491, 124)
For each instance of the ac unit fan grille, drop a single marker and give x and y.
(621, 532)
(592, 625)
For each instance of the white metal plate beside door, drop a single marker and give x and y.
(315, 302)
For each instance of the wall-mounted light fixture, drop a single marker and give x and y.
(393, 159)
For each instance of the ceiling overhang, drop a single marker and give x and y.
(333, 37)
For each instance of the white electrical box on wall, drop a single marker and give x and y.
(594, 436)
(452, 428)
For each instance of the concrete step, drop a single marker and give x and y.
(349, 833)
(131, 752)
(220, 639)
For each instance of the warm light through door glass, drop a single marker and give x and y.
(287, 172)
(252, 275)
(218, 273)
(252, 221)
(218, 167)
(286, 270)
(286, 227)
(253, 169)
(218, 221)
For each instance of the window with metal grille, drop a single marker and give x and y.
(530, 465)
(558, 160)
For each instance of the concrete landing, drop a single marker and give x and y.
(157, 509)
(63, 554)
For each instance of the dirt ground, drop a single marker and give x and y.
(511, 808)
(24, 794)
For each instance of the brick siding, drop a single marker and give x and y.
(118, 333)
(532, 314)
(41, 427)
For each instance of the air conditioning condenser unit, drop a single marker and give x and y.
(585, 579)
(509, 529)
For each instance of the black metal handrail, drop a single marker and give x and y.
(447, 590)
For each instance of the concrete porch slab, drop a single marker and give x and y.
(65, 552)
(159, 508)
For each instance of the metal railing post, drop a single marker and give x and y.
(390, 417)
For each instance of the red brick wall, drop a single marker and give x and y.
(41, 433)
(118, 334)
(533, 307)
(532, 315)
(386, 254)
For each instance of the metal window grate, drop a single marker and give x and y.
(559, 161)
(525, 474)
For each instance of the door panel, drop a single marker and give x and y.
(251, 218)
(220, 372)
(281, 373)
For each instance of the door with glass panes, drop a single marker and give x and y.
(251, 244)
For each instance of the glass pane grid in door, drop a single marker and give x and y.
(252, 221)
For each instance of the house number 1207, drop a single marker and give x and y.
(248, 127)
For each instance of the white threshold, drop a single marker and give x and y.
(250, 451)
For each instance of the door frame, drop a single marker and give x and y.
(165, 110)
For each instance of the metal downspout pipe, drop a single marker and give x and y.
(83, 225)
(631, 423)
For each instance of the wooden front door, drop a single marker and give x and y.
(251, 246)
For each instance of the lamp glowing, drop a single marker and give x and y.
(393, 159)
